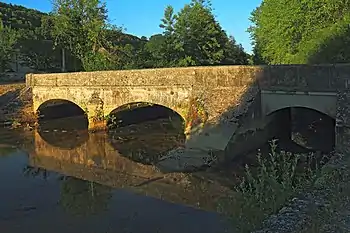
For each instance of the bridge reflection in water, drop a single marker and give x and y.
(96, 160)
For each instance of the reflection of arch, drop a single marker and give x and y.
(143, 131)
(62, 123)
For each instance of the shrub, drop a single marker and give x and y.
(265, 189)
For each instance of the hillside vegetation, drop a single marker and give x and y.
(185, 41)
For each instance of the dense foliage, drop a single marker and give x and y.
(8, 39)
(22, 19)
(191, 37)
(312, 31)
(194, 37)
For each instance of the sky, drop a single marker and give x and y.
(142, 18)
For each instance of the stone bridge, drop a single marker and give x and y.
(214, 102)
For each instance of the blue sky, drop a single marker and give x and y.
(142, 18)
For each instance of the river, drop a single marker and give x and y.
(59, 178)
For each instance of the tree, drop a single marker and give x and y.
(300, 31)
(168, 21)
(169, 48)
(234, 53)
(80, 27)
(154, 52)
(194, 37)
(8, 39)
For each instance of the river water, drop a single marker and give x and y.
(64, 179)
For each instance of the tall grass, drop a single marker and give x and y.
(265, 188)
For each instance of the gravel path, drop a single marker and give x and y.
(335, 215)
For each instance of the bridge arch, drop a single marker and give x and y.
(306, 126)
(324, 111)
(143, 131)
(142, 111)
(55, 101)
(62, 123)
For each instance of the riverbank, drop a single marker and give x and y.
(16, 105)
(322, 207)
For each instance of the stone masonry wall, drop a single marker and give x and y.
(342, 129)
(201, 95)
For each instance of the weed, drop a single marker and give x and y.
(266, 188)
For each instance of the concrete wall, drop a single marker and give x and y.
(324, 102)
(342, 129)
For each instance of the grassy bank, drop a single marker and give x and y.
(267, 187)
(15, 105)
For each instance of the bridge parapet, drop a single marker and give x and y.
(306, 77)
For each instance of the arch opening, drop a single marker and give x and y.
(62, 123)
(144, 132)
(304, 127)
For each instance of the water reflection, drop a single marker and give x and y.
(60, 134)
(42, 200)
(81, 197)
(97, 161)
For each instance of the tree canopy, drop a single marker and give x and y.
(8, 39)
(299, 32)
(194, 37)
(79, 26)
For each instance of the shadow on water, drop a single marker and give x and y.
(313, 130)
